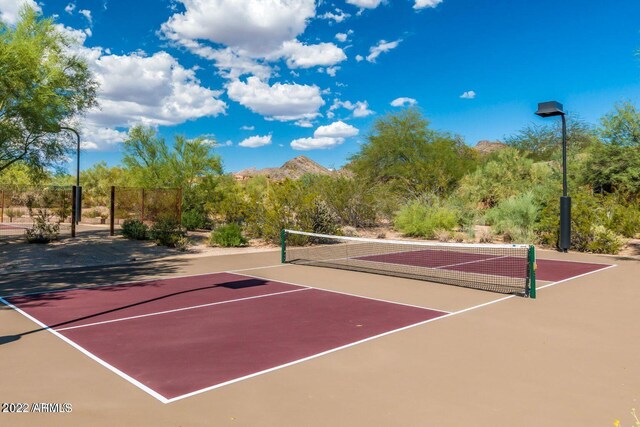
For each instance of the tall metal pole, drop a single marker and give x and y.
(564, 156)
(79, 195)
(565, 200)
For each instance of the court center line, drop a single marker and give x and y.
(181, 309)
(475, 261)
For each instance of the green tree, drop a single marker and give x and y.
(612, 168)
(544, 142)
(43, 87)
(507, 175)
(403, 153)
(188, 164)
(622, 125)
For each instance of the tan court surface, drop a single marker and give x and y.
(569, 358)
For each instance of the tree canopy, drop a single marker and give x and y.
(403, 153)
(43, 87)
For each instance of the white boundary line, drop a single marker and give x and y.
(165, 400)
(89, 354)
(158, 313)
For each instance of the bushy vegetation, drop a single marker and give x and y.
(135, 229)
(422, 182)
(168, 232)
(228, 235)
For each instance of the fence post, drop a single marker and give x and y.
(74, 196)
(112, 212)
(142, 209)
(2, 208)
(180, 206)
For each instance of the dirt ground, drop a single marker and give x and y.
(567, 358)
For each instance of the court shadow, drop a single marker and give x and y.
(36, 300)
(9, 338)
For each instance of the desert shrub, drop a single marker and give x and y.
(135, 229)
(421, 218)
(167, 232)
(13, 213)
(515, 218)
(486, 236)
(42, 230)
(590, 220)
(229, 235)
(623, 216)
(322, 219)
(194, 219)
(604, 241)
(508, 174)
(443, 235)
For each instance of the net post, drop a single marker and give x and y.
(532, 271)
(74, 213)
(283, 245)
(112, 212)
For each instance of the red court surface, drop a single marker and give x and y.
(177, 337)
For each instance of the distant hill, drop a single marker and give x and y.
(487, 147)
(292, 169)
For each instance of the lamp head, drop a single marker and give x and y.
(550, 109)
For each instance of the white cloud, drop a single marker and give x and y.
(70, 8)
(402, 101)
(315, 143)
(468, 95)
(341, 37)
(96, 137)
(87, 14)
(300, 55)
(245, 127)
(303, 123)
(256, 27)
(10, 9)
(359, 108)
(362, 109)
(365, 4)
(256, 141)
(338, 16)
(381, 47)
(281, 101)
(337, 129)
(421, 4)
(332, 71)
(359, 58)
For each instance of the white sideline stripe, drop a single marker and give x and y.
(411, 242)
(89, 354)
(157, 313)
(165, 400)
(471, 262)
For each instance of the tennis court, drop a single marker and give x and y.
(247, 339)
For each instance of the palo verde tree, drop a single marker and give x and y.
(404, 155)
(43, 87)
(189, 164)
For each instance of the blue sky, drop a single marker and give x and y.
(272, 79)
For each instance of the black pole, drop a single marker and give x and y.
(565, 200)
(79, 191)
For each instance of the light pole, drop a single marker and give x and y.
(550, 109)
(79, 190)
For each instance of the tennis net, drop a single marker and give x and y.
(507, 268)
